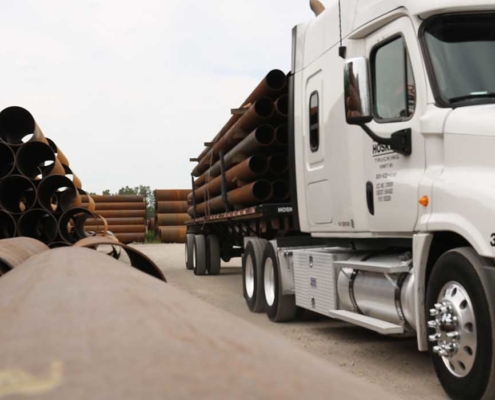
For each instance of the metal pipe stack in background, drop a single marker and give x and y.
(171, 215)
(248, 158)
(125, 215)
(39, 193)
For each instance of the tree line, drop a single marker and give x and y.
(145, 191)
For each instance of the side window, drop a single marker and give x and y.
(314, 122)
(394, 90)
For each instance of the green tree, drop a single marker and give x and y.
(106, 192)
(147, 194)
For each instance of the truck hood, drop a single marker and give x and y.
(473, 120)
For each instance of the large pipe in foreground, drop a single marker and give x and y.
(77, 324)
(246, 171)
(17, 194)
(7, 225)
(7, 160)
(17, 123)
(271, 86)
(58, 194)
(171, 194)
(172, 234)
(35, 159)
(170, 207)
(255, 116)
(15, 251)
(172, 219)
(253, 193)
(38, 224)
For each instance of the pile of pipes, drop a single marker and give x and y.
(40, 196)
(124, 214)
(171, 215)
(246, 163)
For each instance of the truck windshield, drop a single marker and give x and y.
(461, 51)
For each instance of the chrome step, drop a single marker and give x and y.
(377, 325)
(383, 268)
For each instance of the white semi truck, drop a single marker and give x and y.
(392, 220)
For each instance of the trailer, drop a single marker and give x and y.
(392, 177)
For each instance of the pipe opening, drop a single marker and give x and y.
(264, 107)
(7, 160)
(35, 160)
(17, 194)
(265, 135)
(278, 164)
(57, 194)
(15, 124)
(258, 164)
(7, 225)
(280, 190)
(262, 190)
(282, 105)
(282, 134)
(71, 225)
(38, 224)
(276, 79)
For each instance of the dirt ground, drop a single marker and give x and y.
(391, 363)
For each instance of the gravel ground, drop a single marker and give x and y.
(391, 363)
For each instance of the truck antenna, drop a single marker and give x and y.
(342, 49)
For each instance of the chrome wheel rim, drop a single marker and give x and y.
(194, 256)
(249, 277)
(455, 336)
(185, 252)
(269, 282)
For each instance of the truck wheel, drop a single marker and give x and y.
(461, 321)
(279, 308)
(252, 278)
(189, 249)
(213, 254)
(199, 255)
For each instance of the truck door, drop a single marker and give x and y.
(398, 90)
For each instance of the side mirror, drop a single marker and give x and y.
(357, 91)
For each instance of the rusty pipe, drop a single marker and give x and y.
(121, 206)
(58, 194)
(171, 194)
(38, 224)
(72, 176)
(280, 190)
(7, 225)
(260, 138)
(87, 201)
(121, 198)
(116, 228)
(17, 194)
(271, 86)
(278, 164)
(259, 112)
(71, 224)
(250, 194)
(15, 251)
(123, 213)
(172, 234)
(116, 221)
(246, 171)
(60, 155)
(171, 207)
(282, 107)
(16, 124)
(282, 135)
(7, 160)
(172, 219)
(37, 159)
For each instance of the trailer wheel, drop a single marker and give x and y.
(213, 254)
(279, 308)
(252, 278)
(189, 249)
(199, 255)
(461, 325)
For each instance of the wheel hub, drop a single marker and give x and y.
(249, 277)
(269, 282)
(455, 329)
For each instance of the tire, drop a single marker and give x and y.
(189, 249)
(199, 255)
(213, 254)
(458, 280)
(278, 307)
(252, 278)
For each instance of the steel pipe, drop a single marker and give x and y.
(17, 194)
(37, 159)
(123, 213)
(121, 206)
(58, 194)
(172, 234)
(282, 107)
(170, 207)
(121, 198)
(116, 221)
(71, 224)
(172, 219)
(8, 226)
(259, 112)
(72, 176)
(16, 124)
(38, 224)
(116, 228)
(76, 324)
(171, 194)
(282, 135)
(87, 201)
(251, 194)
(60, 155)
(7, 160)
(15, 251)
(246, 171)
(280, 190)
(278, 164)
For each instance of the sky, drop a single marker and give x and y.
(131, 90)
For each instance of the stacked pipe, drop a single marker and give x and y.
(171, 215)
(40, 196)
(124, 214)
(251, 150)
